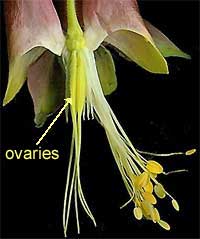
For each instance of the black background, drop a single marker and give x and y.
(158, 112)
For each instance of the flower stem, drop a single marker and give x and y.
(72, 20)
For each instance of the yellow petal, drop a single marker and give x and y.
(164, 225)
(154, 167)
(149, 197)
(175, 205)
(137, 213)
(159, 190)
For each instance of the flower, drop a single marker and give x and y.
(36, 33)
(84, 72)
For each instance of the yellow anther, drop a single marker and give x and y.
(154, 167)
(149, 197)
(175, 205)
(137, 211)
(164, 225)
(142, 180)
(159, 190)
(153, 175)
(146, 208)
(155, 215)
(190, 152)
(149, 187)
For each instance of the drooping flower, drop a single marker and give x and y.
(34, 37)
(36, 33)
(74, 65)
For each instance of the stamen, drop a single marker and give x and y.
(176, 171)
(149, 197)
(164, 225)
(149, 187)
(154, 167)
(175, 205)
(160, 155)
(126, 203)
(147, 208)
(156, 215)
(190, 152)
(137, 213)
(84, 109)
(142, 180)
(137, 172)
(159, 190)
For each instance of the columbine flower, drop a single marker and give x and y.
(85, 72)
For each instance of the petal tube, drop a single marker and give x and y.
(119, 23)
(46, 83)
(165, 46)
(29, 24)
(102, 17)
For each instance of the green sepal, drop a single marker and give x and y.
(46, 85)
(18, 68)
(164, 44)
(106, 70)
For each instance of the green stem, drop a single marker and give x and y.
(72, 20)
